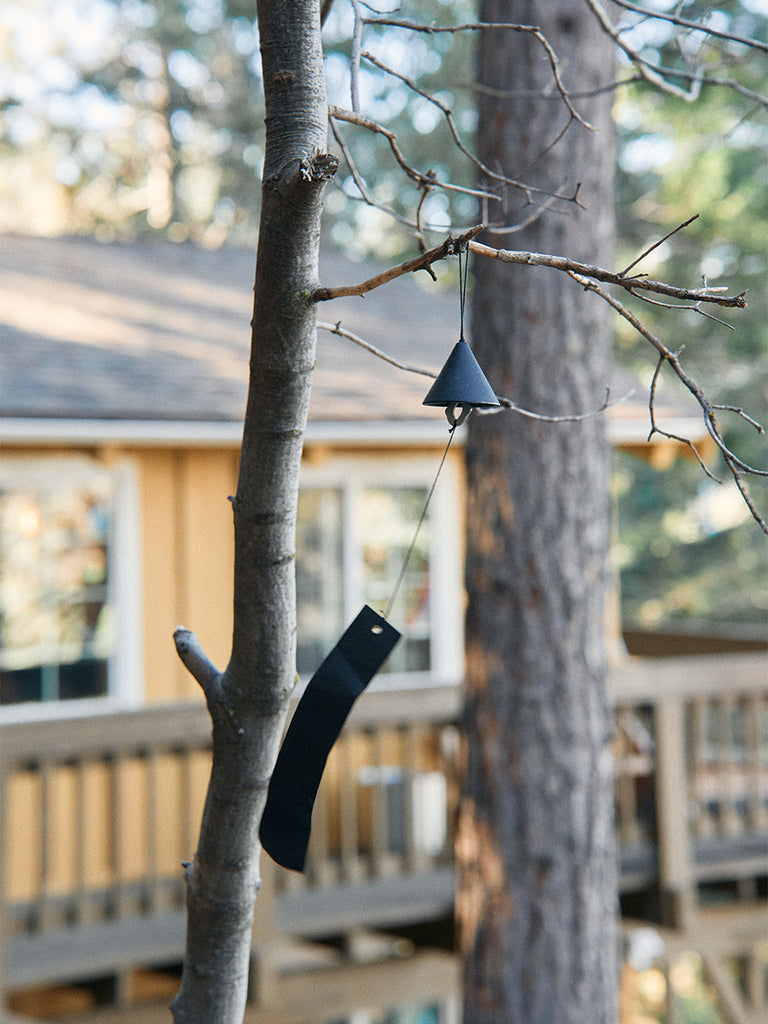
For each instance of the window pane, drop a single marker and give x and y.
(389, 520)
(56, 624)
(319, 589)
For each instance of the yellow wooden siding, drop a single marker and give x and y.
(165, 678)
(207, 478)
(187, 559)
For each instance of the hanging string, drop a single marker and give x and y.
(463, 291)
(463, 274)
(423, 516)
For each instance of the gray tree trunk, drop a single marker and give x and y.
(537, 861)
(249, 700)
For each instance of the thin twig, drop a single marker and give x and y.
(449, 247)
(656, 429)
(479, 26)
(505, 403)
(450, 121)
(358, 179)
(343, 333)
(537, 214)
(354, 61)
(736, 465)
(655, 73)
(738, 411)
(678, 305)
(696, 26)
(420, 177)
(657, 244)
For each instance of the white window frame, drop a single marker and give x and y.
(125, 667)
(350, 475)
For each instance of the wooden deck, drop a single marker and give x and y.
(99, 812)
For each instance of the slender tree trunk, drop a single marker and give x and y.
(249, 700)
(537, 862)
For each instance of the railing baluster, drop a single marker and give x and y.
(82, 904)
(349, 836)
(729, 821)
(319, 859)
(186, 838)
(411, 734)
(117, 856)
(756, 766)
(702, 820)
(44, 910)
(630, 833)
(152, 784)
(380, 809)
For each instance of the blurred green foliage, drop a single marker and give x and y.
(689, 552)
(124, 118)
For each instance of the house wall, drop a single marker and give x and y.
(185, 540)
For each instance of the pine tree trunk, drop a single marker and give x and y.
(536, 850)
(249, 700)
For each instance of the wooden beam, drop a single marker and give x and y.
(646, 680)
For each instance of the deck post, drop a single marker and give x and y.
(262, 984)
(676, 878)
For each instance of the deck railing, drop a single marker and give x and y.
(702, 724)
(98, 813)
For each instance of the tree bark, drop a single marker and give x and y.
(537, 892)
(249, 700)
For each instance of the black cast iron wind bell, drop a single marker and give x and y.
(461, 385)
(361, 651)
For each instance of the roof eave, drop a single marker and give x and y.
(34, 432)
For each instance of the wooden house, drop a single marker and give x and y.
(123, 374)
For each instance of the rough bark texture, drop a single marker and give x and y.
(537, 880)
(248, 701)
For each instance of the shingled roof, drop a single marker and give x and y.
(158, 331)
(153, 333)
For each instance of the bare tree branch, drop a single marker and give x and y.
(196, 661)
(365, 194)
(697, 26)
(656, 429)
(587, 276)
(505, 403)
(737, 466)
(655, 74)
(539, 211)
(354, 59)
(369, 347)
(479, 26)
(649, 73)
(420, 177)
(448, 114)
(630, 284)
(450, 247)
